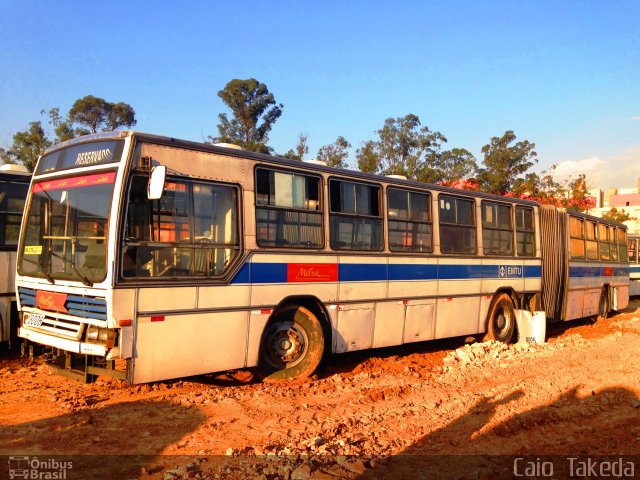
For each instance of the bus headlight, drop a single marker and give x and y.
(101, 335)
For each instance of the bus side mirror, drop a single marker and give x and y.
(155, 187)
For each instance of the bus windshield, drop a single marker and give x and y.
(66, 229)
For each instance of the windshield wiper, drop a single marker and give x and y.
(41, 268)
(84, 279)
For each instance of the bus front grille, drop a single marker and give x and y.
(83, 306)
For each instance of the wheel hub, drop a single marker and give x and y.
(286, 345)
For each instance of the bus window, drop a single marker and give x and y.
(165, 238)
(355, 222)
(12, 197)
(497, 231)
(576, 229)
(409, 216)
(633, 252)
(525, 232)
(457, 225)
(622, 245)
(592, 242)
(288, 210)
(603, 242)
(613, 243)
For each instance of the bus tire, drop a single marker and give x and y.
(501, 321)
(292, 345)
(603, 305)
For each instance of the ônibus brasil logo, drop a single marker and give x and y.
(33, 468)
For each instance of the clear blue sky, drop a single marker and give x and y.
(564, 75)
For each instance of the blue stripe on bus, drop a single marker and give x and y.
(354, 272)
(360, 272)
(597, 271)
(412, 272)
(461, 272)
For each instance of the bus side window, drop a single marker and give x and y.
(603, 242)
(409, 217)
(355, 221)
(497, 231)
(592, 241)
(525, 231)
(576, 229)
(457, 225)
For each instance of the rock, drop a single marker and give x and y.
(357, 466)
(302, 472)
(229, 452)
(635, 403)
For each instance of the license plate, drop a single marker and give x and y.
(34, 319)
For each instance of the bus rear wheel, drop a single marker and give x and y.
(501, 319)
(603, 305)
(292, 345)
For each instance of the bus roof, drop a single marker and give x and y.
(271, 159)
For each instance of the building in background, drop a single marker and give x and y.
(620, 198)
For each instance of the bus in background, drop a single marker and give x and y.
(14, 184)
(584, 263)
(148, 258)
(634, 265)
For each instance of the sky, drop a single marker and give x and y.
(564, 75)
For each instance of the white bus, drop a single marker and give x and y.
(634, 266)
(14, 184)
(148, 258)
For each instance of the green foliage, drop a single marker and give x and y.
(406, 148)
(367, 158)
(301, 148)
(505, 163)
(254, 112)
(617, 215)
(27, 146)
(335, 154)
(571, 194)
(448, 167)
(94, 114)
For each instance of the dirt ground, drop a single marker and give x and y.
(442, 409)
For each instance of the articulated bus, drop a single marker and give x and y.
(147, 258)
(634, 266)
(14, 184)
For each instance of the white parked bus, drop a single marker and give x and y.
(147, 258)
(14, 184)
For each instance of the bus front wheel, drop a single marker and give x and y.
(292, 345)
(501, 319)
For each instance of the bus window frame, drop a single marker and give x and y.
(511, 228)
(581, 238)
(321, 211)
(381, 214)
(231, 269)
(429, 222)
(4, 247)
(474, 214)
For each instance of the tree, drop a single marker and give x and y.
(27, 146)
(301, 148)
(617, 215)
(367, 157)
(404, 146)
(448, 167)
(335, 154)
(571, 194)
(95, 114)
(62, 127)
(504, 163)
(254, 111)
